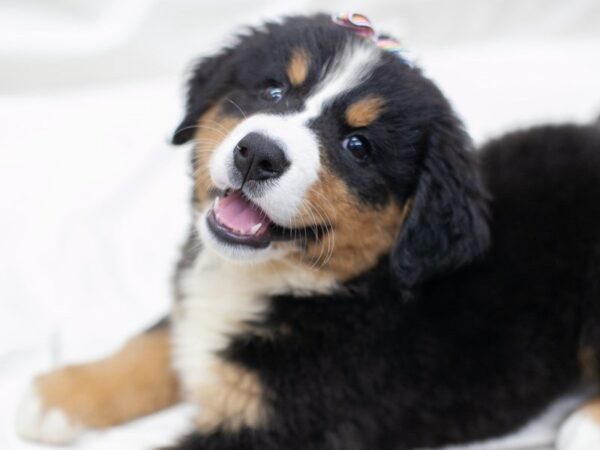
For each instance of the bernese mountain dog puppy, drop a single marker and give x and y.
(356, 277)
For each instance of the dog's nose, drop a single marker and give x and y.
(259, 158)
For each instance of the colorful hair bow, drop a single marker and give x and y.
(361, 25)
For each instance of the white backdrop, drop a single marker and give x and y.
(94, 200)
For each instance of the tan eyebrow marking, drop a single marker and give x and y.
(297, 69)
(365, 111)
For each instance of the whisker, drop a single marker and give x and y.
(225, 129)
(328, 224)
(237, 106)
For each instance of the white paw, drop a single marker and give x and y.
(579, 432)
(48, 426)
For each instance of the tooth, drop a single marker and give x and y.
(216, 203)
(255, 229)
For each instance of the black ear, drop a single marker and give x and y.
(210, 80)
(447, 226)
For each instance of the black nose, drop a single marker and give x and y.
(259, 158)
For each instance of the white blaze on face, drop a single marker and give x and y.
(353, 67)
(282, 198)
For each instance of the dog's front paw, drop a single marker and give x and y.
(581, 431)
(38, 421)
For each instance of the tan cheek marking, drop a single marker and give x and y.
(365, 111)
(133, 382)
(213, 128)
(297, 69)
(361, 235)
(233, 400)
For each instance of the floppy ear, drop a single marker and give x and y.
(210, 79)
(447, 226)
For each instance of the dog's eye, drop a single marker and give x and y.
(358, 145)
(274, 93)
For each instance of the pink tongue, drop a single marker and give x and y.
(238, 214)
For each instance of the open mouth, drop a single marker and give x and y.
(235, 219)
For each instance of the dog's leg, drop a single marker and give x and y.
(135, 381)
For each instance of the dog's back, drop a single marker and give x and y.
(545, 187)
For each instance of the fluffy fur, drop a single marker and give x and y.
(421, 295)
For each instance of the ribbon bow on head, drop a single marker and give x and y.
(361, 25)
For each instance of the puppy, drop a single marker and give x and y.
(356, 278)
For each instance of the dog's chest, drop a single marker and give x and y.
(219, 299)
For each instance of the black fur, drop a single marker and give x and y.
(448, 225)
(471, 325)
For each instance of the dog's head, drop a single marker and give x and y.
(314, 144)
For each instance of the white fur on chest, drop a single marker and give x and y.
(219, 298)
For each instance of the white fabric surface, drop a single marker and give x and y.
(94, 200)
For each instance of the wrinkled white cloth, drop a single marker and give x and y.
(94, 200)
